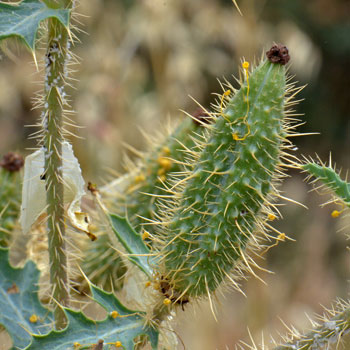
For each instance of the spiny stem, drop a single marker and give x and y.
(327, 333)
(56, 71)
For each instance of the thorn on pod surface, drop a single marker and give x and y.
(12, 162)
(201, 116)
(278, 54)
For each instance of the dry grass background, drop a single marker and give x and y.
(140, 59)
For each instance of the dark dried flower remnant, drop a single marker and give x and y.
(92, 188)
(99, 345)
(12, 162)
(278, 54)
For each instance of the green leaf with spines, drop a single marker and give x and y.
(231, 183)
(329, 177)
(124, 328)
(137, 251)
(19, 301)
(103, 265)
(23, 20)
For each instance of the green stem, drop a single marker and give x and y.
(56, 71)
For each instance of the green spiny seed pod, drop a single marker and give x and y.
(148, 178)
(137, 199)
(10, 194)
(227, 195)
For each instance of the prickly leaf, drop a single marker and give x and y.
(138, 253)
(21, 312)
(329, 177)
(23, 19)
(83, 333)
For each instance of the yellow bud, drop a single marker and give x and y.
(235, 137)
(76, 345)
(147, 284)
(118, 344)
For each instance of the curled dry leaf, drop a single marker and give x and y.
(34, 192)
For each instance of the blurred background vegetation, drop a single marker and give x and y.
(140, 59)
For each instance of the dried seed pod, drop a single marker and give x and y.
(278, 54)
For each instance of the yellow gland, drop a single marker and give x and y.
(335, 213)
(281, 237)
(225, 94)
(114, 314)
(165, 163)
(161, 171)
(145, 235)
(235, 137)
(166, 301)
(166, 150)
(33, 318)
(118, 344)
(245, 65)
(139, 178)
(147, 284)
(162, 178)
(76, 345)
(271, 217)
